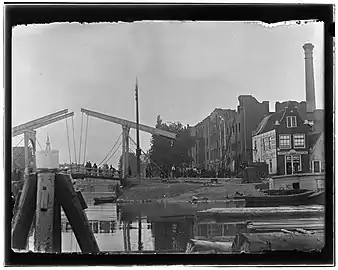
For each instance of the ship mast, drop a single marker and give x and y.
(137, 135)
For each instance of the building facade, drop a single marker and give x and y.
(317, 154)
(282, 142)
(208, 152)
(239, 128)
(224, 137)
(265, 150)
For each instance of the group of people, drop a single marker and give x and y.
(191, 172)
(104, 170)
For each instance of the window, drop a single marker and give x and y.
(263, 144)
(266, 142)
(316, 166)
(270, 143)
(285, 141)
(270, 165)
(239, 127)
(299, 140)
(291, 121)
(255, 145)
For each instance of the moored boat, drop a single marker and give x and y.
(280, 199)
(283, 191)
(317, 197)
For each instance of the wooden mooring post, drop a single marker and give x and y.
(44, 194)
(43, 237)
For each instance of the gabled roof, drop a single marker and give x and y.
(313, 138)
(268, 122)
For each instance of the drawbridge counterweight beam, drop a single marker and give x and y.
(30, 125)
(18, 131)
(29, 131)
(130, 124)
(126, 126)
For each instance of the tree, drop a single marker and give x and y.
(132, 164)
(166, 152)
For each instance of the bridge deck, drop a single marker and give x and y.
(81, 172)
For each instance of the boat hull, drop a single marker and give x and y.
(283, 200)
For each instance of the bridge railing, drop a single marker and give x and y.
(81, 169)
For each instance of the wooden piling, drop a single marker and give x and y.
(43, 237)
(57, 242)
(71, 205)
(25, 212)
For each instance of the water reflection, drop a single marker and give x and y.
(212, 229)
(172, 235)
(145, 227)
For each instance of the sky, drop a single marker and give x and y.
(185, 70)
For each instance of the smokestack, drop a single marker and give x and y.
(309, 78)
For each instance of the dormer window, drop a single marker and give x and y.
(291, 121)
(277, 123)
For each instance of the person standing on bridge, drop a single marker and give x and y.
(95, 169)
(88, 167)
(105, 169)
(111, 169)
(173, 170)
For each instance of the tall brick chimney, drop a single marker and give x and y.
(309, 78)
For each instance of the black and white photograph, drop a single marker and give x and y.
(169, 137)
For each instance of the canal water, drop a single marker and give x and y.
(154, 227)
(157, 227)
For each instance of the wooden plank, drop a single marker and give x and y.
(43, 237)
(286, 231)
(195, 245)
(24, 215)
(76, 216)
(278, 227)
(257, 243)
(304, 231)
(259, 212)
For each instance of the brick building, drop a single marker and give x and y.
(301, 107)
(281, 140)
(239, 130)
(208, 151)
(224, 137)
